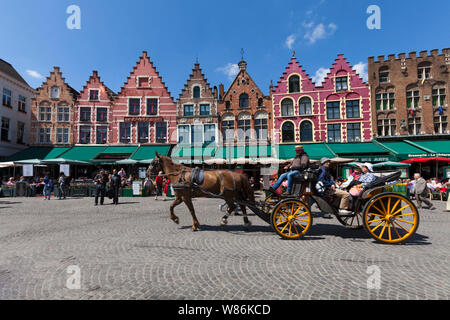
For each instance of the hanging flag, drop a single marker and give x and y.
(441, 110)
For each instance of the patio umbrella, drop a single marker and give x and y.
(29, 161)
(63, 161)
(415, 160)
(215, 161)
(391, 164)
(127, 161)
(342, 160)
(9, 164)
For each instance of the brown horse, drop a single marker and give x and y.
(230, 185)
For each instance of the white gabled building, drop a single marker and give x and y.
(15, 111)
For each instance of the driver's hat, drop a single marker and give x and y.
(299, 148)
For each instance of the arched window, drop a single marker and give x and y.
(306, 131)
(294, 84)
(228, 127)
(305, 106)
(196, 92)
(244, 126)
(243, 101)
(288, 132)
(287, 108)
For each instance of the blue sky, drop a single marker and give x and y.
(114, 33)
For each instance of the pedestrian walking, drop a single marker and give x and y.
(159, 184)
(48, 186)
(166, 188)
(422, 192)
(114, 184)
(100, 181)
(62, 185)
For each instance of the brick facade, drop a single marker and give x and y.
(52, 112)
(197, 110)
(245, 110)
(144, 102)
(407, 93)
(93, 112)
(337, 111)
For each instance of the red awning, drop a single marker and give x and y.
(424, 160)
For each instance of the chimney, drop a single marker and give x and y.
(412, 55)
(402, 56)
(221, 93)
(391, 57)
(380, 58)
(270, 88)
(215, 92)
(424, 53)
(434, 52)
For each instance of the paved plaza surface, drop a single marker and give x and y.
(133, 251)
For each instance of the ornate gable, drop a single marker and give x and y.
(196, 78)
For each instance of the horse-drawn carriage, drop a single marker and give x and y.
(388, 217)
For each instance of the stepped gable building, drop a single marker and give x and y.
(337, 111)
(410, 94)
(92, 112)
(197, 119)
(15, 110)
(52, 112)
(244, 111)
(144, 111)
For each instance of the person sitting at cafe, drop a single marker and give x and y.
(300, 163)
(11, 182)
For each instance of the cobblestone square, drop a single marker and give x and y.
(133, 251)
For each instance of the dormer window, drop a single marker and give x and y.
(196, 92)
(341, 84)
(54, 93)
(144, 82)
(93, 95)
(294, 84)
(243, 101)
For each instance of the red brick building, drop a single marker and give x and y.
(197, 117)
(52, 112)
(143, 111)
(93, 113)
(410, 94)
(244, 111)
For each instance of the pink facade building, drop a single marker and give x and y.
(143, 111)
(93, 113)
(337, 111)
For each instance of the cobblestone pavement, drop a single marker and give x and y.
(133, 251)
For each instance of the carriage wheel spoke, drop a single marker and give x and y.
(299, 224)
(384, 228)
(406, 221)
(389, 206)
(296, 219)
(395, 205)
(375, 220)
(290, 227)
(407, 231)
(281, 223)
(382, 205)
(389, 231)
(376, 214)
(401, 209)
(373, 230)
(296, 230)
(284, 228)
(379, 210)
(396, 231)
(405, 214)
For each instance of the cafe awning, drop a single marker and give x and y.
(315, 151)
(83, 153)
(433, 148)
(363, 152)
(37, 153)
(149, 152)
(403, 150)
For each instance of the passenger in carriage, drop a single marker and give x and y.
(368, 176)
(300, 163)
(330, 186)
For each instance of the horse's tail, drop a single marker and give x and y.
(247, 190)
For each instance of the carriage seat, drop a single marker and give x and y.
(379, 182)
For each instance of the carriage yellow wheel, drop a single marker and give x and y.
(291, 219)
(391, 218)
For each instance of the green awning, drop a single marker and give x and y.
(119, 149)
(404, 150)
(37, 153)
(363, 152)
(198, 154)
(314, 151)
(148, 152)
(83, 153)
(434, 148)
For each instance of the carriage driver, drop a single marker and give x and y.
(300, 163)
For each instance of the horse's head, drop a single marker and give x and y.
(155, 166)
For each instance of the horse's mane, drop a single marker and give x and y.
(174, 165)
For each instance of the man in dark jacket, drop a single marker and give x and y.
(300, 163)
(100, 181)
(115, 184)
